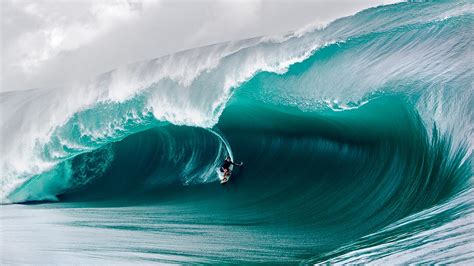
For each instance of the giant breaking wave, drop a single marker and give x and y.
(365, 124)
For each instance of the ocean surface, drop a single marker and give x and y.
(356, 138)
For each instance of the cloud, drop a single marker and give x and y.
(62, 31)
(54, 28)
(52, 43)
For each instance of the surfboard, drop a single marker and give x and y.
(225, 179)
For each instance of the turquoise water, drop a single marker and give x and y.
(356, 138)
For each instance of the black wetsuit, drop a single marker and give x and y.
(226, 164)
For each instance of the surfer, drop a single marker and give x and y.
(225, 168)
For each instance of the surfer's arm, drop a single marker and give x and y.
(237, 164)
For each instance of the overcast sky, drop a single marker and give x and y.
(50, 43)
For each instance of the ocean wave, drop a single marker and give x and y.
(351, 125)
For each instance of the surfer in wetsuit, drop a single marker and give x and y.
(225, 168)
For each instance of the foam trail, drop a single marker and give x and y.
(218, 134)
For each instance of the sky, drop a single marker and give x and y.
(50, 43)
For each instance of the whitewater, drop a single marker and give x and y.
(357, 139)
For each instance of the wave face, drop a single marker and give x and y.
(365, 124)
